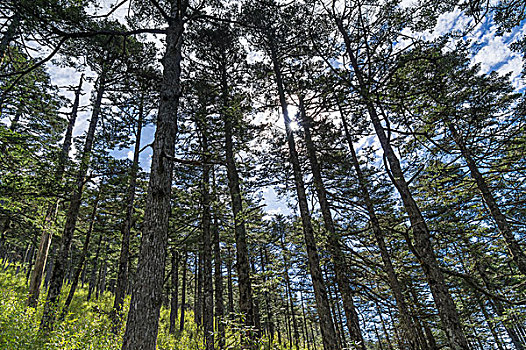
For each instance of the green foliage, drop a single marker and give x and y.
(84, 328)
(88, 326)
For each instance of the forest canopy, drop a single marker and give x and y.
(265, 174)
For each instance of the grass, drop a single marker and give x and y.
(87, 326)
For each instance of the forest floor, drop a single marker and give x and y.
(86, 327)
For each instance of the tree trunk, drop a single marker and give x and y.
(198, 291)
(101, 285)
(218, 276)
(268, 304)
(333, 309)
(320, 292)
(307, 340)
(83, 255)
(124, 257)
(143, 318)
(444, 302)
(482, 268)
(93, 274)
(175, 290)
(3, 245)
(290, 298)
(45, 240)
(384, 327)
(337, 256)
(230, 288)
(409, 329)
(57, 276)
(208, 285)
(49, 266)
(490, 323)
(9, 35)
(257, 314)
(242, 259)
(183, 292)
(504, 227)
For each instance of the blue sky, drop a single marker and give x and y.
(493, 54)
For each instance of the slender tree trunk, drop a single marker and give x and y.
(57, 276)
(307, 340)
(290, 298)
(175, 290)
(102, 285)
(482, 268)
(279, 331)
(183, 292)
(93, 275)
(338, 258)
(444, 302)
(268, 304)
(45, 240)
(27, 256)
(198, 291)
(257, 314)
(143, 318)
(230, 288)
(384, 328)
(242, 259)
(504, 227)
(491, 325)
(29, 263)
(9, 35)
(124, 257)
(428, 333)
(378, 339)
(49, 266)
(287, 314)
(320, 291)
(69, 266)
(83, 255)
(218, 276)
(208, 309)
(339, 319)
(333, 310)
(408, 328)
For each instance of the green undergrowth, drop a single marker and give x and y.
(87, 326)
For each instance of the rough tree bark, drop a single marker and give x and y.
(263, 255)
(143, 318)
(94, 267)
(124, 256)
(183, 292)
(175, 290)
(288, 291)
(230, 287)
(59, 266)
(246, 304)
(198, 291)
(320, 292)
(9, 35)
(45, 240)
(218, 277)
(503, 226)
(412, 334)
(208, 286)
(83, 254)
(444, 302)
(337, 256)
